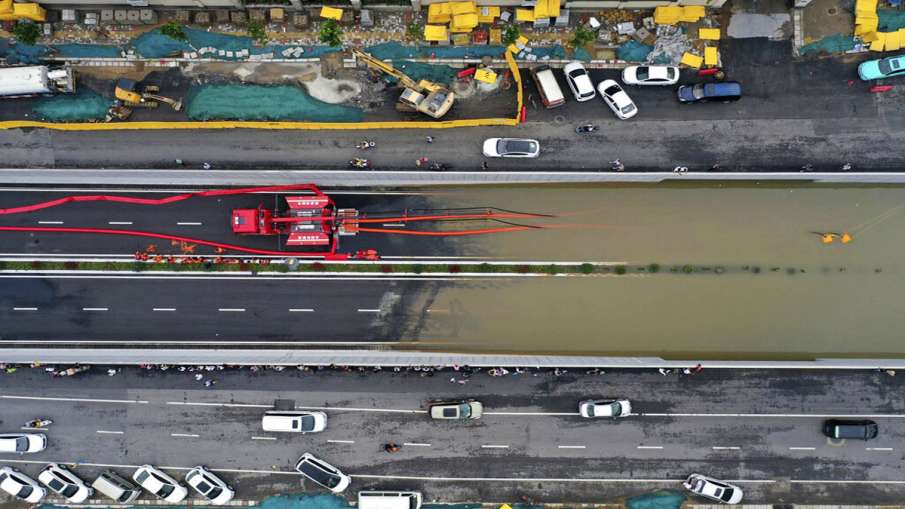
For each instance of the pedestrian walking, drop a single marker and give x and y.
(421, 161)
(617, 165)
(484, 165)
(429, 139)
(209, 383)
(206, 166)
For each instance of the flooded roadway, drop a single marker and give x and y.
(782, 293)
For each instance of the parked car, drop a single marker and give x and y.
(294, 421)
(23, 443)
(20, 485)
(613, 408)
(322, 473)
(457, 410)
(159, 484)
(209, 485)
(711, 488)
(725, 91)
(857, 430)
(547, 86)
(617, 99)
(579, 81)
(511, 147)
(650, 75)
(66, 484)
(883, 68)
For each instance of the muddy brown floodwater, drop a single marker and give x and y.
(766, 286)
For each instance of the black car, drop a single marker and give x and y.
(857, 430)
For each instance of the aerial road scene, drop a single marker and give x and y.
(428, 254)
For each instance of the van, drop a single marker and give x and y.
(294, 421)
(856, 430)
(547, 87)
(115, 487)
(725, 91)
(389, 500)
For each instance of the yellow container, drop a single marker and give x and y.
(435, 33)
(692, 60)
(709, 34)
(331, 13)
(439, 13)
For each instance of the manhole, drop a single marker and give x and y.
(559, 119)
(832, 11)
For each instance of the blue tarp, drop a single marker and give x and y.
(664, 499)
(634, 51)
(80, 107)
(257, 102)
(87, 50)
(16, 53)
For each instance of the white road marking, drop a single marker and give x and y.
(725, 448)
(802, 448)
(209, 343)
(231, 310)
(650, 447)
(50, 222)
(394, 224)
(340, 441)
(119, 222)
(231, 405)
(27, 428)
(81, 400)
(491, 446)
(188, 223)
(187, 435)
(572, 447)
(263, 438)
(368, 310)
(878, 449)
(107, 432)
(95, 309)
(532, 413)
(416, 444)
(301, 310)
(25, 309)
(843, 416)
(164, 309)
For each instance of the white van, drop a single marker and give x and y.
(294, 421)
(547, 86)
(389, 500)
(118, 489)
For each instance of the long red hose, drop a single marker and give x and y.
(456, 233)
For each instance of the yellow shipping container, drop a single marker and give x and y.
(488, 13)
(463, 8)
(692, 60)
(439, 13)
(435, 33)
(331, 13)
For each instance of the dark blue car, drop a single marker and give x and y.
(724, 91)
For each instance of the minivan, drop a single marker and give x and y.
(294, 421)
(724, 91)
(547, 87)
(389, 500)
(115, 487)
(857, 430)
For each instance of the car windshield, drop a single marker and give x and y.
(141, 477)
(465, 408)
(726, 495)
(576, 73)
(25, 491)
(642, 73)
(628, 108)
(698, 91)
(616, 407)
(165, 490)
(612, 90)
(885, 65)
(69, 490)
(671, 72)
(519, 146)
(214, 493)
(307, 422)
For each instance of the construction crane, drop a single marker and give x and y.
(430, 98)
(135, 95)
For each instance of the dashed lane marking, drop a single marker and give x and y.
(416, 444)
(50, 222)
(188, 223)
(185, 435)
(231, 310)
(81, 400)
(572, 447)
(650, 447)
(301, 310)
(368, 310)
(25, 309)
(494, 446)
(340, 441)
(108, 432)
(116, 223)
(95, 309)
(163, 309)
(884, 449)
(263, 438)
(802, 448)
(725, 448)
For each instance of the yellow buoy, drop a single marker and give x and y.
(846, 238)
(827, 238)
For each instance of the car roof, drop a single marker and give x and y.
(727, 87)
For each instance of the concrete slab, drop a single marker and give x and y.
(775, 26)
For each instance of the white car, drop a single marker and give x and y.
(294, 421)
(20, 485)
(209, 486)
(579, 81)
(159, 484)
(656, 75)
(322, 473)
(59, 479)
(23, 442)
(511, 147)
(708, 487)
(617, 99)
(613, 408)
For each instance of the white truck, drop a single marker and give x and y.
(35, 80)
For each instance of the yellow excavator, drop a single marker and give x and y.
(430, 98)
(135, 95)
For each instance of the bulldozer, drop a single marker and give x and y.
(136, 95)
(432, 99)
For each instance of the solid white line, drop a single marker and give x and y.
(416, 444)
(50, 222)
(572, 447)
(119, 222)
(841, 416)
(105, 342)
(187, 435)
(95, 309)
(83, 400)
(25, 309)
(802, 448)
(235, 405)
(532, 413)
(301, 310)
(164, 309)
(494, 447)
(368, 310)
(650, 447)
(263, 438)
(105, 432)
(231, 310)
(340, 441)
(520, 479)
(725, 448)
(878, 449)
(26, 428)
(188, 223)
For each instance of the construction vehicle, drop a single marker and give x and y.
(432, 99)
(309, 221)
(135, 95)
(34, 80)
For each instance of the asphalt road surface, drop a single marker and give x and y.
(759, 429)
(794, 113)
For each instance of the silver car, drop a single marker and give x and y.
(511, 147)
(714, 489)
(457, 410)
